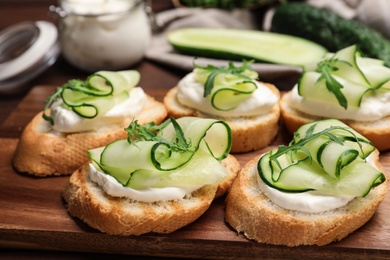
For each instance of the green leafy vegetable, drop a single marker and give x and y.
(326, 67)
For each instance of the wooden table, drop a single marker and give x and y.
(34, 222)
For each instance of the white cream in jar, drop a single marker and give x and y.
(103, 34)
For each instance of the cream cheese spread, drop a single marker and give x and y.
(311, 202)
(190, 94)
(373, 107)
(67, 121)
(114, 188)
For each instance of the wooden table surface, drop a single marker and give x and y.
(34, 222)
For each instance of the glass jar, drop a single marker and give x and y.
(102, 34)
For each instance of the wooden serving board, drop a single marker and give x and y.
(33, 216)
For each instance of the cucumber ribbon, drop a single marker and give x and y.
(190, 142)
(96, 95)
(228, 86)
(324, 156)
(344, 78)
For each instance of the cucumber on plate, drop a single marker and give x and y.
(235, 44)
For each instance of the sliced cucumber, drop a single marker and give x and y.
(306, 175)
(105, 83)
(344, 78)
(132, 77)
(320, 158)
(123, 160)
(347, 135)
(100, 92)
(226, 86)
(210, 172)
(228, 98)
(375, 71)
(310, 86)
(234, 44)
(90, 106)
(347, 66)
(333, 157)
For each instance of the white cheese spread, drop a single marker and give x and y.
(311, 201)
(373, 107)
(114, 188)
(190, 94)
(67, 121)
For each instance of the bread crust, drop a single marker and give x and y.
(121, 216)
(377, 132)
(249, 211)
(248, 133)
(41, 152)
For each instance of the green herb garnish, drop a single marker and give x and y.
(151, 131)
(326, 67)
(299, 145)
(49, 101)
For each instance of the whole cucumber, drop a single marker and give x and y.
(329, 29)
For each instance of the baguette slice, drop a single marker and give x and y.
(248, 133)
(249, 211)
(378, 132)
(121, 216)
(41, 152)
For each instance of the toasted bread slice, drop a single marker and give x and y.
(249, 133)
(378, 132)
(250, 211)
(122, 216)
(41, 152)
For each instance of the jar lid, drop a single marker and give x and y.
(26, 50)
